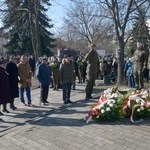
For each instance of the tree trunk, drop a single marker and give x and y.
(120, 53)
(37, 28)
(34, 26)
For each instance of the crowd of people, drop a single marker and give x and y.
(62, 74)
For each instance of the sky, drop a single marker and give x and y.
(57, 12)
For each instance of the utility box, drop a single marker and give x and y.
(107, 79)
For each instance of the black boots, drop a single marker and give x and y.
(88, 96)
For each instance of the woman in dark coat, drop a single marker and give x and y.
(5, 94)
(12, 70)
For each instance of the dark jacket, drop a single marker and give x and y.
(44, 73)
(12, 70)
(66, 72)
(32, 63)
(5, 94)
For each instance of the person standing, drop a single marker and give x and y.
(43, 75)
(32, 63)
(5, 93)
(66, 71)
(55, 73)
(140, 64)
(25, 76)
(129, 67)
(92, 59)
(12, 70)
(36, 68)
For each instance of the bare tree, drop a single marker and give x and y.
(85, 20)
(120, 11)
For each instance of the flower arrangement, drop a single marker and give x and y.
(54, 66)
(114, 104)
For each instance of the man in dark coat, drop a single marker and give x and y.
(5, 93)
(43, 75)
(12, 70)
(66, 71)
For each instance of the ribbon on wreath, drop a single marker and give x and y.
(140, 103)
(102, 100)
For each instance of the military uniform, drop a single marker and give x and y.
(140, 63)
(92, 69)
(55, 73)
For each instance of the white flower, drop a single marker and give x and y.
(143, 96)
(108, 109)
(142, 104)
(142, 108)
(113, 95)
(102, 111)
(138, 110)
(116, 95)
(111, 105)
(108, 95)
(138, 101)
(108, 102)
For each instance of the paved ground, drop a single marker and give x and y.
(62, 127)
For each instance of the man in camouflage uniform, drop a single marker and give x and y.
(55, 73)
(92, 69)
(140, 64)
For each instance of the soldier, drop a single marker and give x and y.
(92, 69)
(55, 73)
(140, 64)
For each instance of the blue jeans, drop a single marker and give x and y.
(131, 82)
(28, 94)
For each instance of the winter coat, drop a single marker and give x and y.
(66, 72)
(24, 72)
(44, 73)
(5, 93)
(12, 70)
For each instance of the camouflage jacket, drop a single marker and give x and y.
(140, 59)
(92, 61)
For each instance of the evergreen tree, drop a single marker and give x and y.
(140, 32)
(23, 26)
